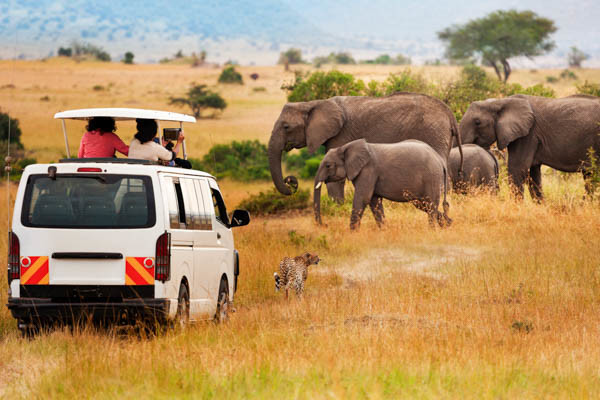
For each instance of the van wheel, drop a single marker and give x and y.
(183, 307)
(222, 314)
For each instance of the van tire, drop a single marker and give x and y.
(182, 318)
(222, 314)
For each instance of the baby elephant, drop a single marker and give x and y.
(480, 168)
(408, 171)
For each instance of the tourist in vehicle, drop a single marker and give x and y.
(100, 141)
(143, 146)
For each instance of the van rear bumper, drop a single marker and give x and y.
(34, 310)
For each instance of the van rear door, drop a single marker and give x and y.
(77, 229)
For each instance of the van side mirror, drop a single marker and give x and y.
(240, 218)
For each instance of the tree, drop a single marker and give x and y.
(291, 56)
(65, 52)
(15, 131)
(499, 36)
(128, 59)
(576, 57)
(199, 98)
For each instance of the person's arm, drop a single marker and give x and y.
(162, 153)
(179, 140)
(120, 146)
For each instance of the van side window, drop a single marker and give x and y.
(180, 203)
(220, 210)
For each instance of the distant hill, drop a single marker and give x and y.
(257, 30)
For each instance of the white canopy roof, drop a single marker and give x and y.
(123, 114)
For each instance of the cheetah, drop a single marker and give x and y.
(293, 273)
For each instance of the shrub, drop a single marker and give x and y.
(576, 57)
(273, 202)
(15, 131)
(296, 161)
(45, 98)
(199, 98)
(591, 89)
(88, 49)
(405, 81)
(259, 89)
(334, 58)
(98, 88)
(551, 79)
(128, 58)
(230, 75)
(323, 85)
(593, 180)
(568, 74)
(245, 160)
(535, 90)
(65, 52)
(386, 59)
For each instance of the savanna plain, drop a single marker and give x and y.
(502, 304)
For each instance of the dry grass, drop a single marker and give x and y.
(502, 304)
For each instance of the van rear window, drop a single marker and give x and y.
(94, 201)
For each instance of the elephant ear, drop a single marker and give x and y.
(515, 120)
(324, 122)
(356, 156)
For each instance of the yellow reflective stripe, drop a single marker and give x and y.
(128, 280)
(33, 269)
(45, 280)
(141, 270)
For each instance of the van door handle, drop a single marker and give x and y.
(218, 235)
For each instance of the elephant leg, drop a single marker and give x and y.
(376, 206)
(521, 153)
(335, 190)
(426, 206)
(358, 208)
(535, 183)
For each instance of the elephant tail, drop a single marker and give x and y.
(445, 204)
(496, 169)
(455, 133)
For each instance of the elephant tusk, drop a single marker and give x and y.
(319, 184)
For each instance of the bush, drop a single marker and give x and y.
(334, 58)
(273, 202)
(551, 79)
(230, 75)
(88, 49)
(245, 160)
(128, 59)
(568, 74)
(65, 52)
(591, 89)
(15, 131)
(98, 88)
(385, 59)
(200, 98)
(405, 81)
(323, 85)
(298, 162)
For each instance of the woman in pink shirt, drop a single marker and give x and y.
(100, 140)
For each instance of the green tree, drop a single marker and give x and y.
(323, 85)
(199, 98)
(499, 36)
(230, 75)
(128, 59)
(576, 57)
(290, 56)
(15, 131)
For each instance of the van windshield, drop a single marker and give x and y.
(102, 201)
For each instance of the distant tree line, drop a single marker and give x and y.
(81, 50)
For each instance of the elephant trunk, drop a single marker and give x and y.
(276, 147)
(317, 201)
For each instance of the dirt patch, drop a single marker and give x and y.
(430, 261)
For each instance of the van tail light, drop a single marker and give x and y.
(14, 262)
(162, 269)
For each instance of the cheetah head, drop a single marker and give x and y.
(310, 258)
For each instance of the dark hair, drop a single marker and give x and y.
(146, 130)
(102, 124)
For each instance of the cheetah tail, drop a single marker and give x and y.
(277, 281)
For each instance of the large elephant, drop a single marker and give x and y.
(480, 169)
(409, 171)
(537, 131)
(342, 119)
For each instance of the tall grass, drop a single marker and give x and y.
(501, 304)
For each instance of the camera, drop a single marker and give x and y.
(171, 133)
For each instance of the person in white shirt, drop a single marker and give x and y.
(143, 147)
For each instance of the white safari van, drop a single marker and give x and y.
(121, 240)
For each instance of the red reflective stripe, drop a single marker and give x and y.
(39, 274)
(134, 276)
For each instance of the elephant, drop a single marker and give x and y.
(537, 131)
(409, 171)
(480, 168)
(342, 119)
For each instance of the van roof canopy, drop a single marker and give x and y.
(124, 114)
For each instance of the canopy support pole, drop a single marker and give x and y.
(183, 143)
(64, 128)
